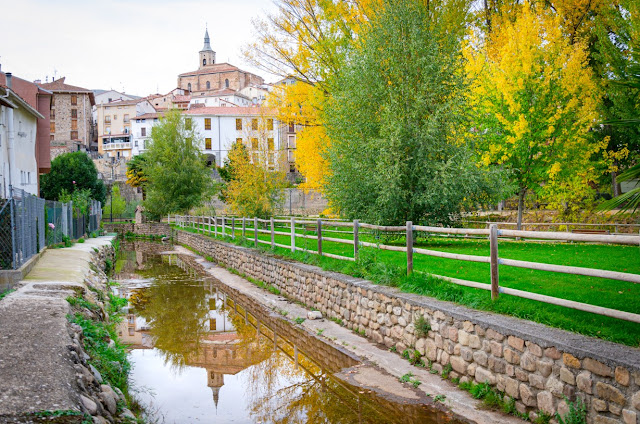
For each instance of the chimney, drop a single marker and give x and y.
(37, 81)
(8, 75)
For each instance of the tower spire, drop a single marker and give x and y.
(207, 43)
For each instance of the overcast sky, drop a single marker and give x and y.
(137, 45)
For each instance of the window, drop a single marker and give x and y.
(208, 85)
(126, 118)
(254, 124)
(207, 123)
(115, 117)
(212, 324)
(52, 137)
(107, 130)
(292, 156)
(270, 124)
(204, 62)
(254, 143)
(187, 123)
(189, 87)
(291, 142)
(135, 143)
(292, 127)
(226, 83)
(238, 124)
(53, 100)
(74, 135)
(270, 143)
(126, 130)
(74, 124)
(107, 119)
(52, 114)
(207, 143)
(74, 99)
(74, 113)
(143, 131)
(52, 126)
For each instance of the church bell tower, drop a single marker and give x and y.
(207, 55)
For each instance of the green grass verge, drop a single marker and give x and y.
(389, 268)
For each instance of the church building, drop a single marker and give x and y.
(212, 77)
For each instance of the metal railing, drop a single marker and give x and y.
(29, 223)
(224, 226)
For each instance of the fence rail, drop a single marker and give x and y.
(211, 224)
(29, 223)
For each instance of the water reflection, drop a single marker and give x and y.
(209, 354)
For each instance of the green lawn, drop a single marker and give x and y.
(388, 267)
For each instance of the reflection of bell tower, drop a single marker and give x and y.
(215, 381)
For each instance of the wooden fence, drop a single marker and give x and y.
(218, 226)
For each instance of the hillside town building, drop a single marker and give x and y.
(71, 122)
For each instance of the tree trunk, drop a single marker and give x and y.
(523, 191)
(615, 187)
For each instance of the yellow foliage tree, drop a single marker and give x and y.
(534, 100)
(305, 41)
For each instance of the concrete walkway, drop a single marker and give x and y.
(36, 367)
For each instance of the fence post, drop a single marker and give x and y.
(215, 226)
(233, 227)
(244, 227)
(409, 247)
(293, 234)
(224, 231)
(493, 245)
(255, 231)
(356, 241)
(273, 236)
(319, 237)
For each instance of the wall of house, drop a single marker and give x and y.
(25, 169)
(237, 80)
(62, 141)
(540, 367)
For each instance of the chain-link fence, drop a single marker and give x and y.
(29, 223)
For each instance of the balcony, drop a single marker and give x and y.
(116, 146)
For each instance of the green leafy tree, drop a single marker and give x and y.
(229, 171)
(396, 120)
(136, 176)
(71, 172)
(116, 204)
(177, 176)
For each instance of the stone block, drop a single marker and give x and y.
(494, 335)
(512, 387)
(635, 401)
(536, 381)
(528, 395)
(467, 354)
(467, 326)
(615, 409)
(474, 342)
(553, 353)
(528, 362)
(496, 349)
(534, 349)
(597, 367)
(430, 349)
(521, 374)
(570, 360)
(497, 365)
(567, 376)
(554, 386)
(463, 338)
(622, 376)
(453, 334)
(471, 369)
(483, 375)
(516, 343)
(598, 405)
(610, 393)
(458, 364)
(584, 382)
(480, 357)
(511, 356)
(629, 417)
(605, 420)
(546, 402)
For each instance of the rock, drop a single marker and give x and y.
(109, 401)
(583, 380)
(610, 393)
(516, 343)
(484, 376)
(458, 364)
(629, 416)
(89, 405)
(545, 402)
(635, 401)
(95, 373)
(622, 376)
(536, 381)
(127, 414)
(314, 315)
(567, 376)
(120, 394)
(100, 420)
(480, 358)
(570, 360)
(527, 395)
(597, 367)
(511, 387)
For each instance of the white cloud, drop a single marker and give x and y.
(141, 45)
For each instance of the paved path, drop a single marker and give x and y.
(36, 368)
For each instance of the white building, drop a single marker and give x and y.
(220, 127)
(256, 93)
(18, 127)
(141, 131)
(108, 96)
(221, 98)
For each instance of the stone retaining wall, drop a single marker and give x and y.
(536, 365)
(146, 229)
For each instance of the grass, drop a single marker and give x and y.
(389, 268)
(408, 378)
(6, 292)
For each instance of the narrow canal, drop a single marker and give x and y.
(205, 353)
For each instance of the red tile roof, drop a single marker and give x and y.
(213, 69)
(59, 86)
(182, 99)
(149, 116)
(231, 111)
(27, 91)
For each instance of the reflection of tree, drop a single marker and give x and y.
(175, 308)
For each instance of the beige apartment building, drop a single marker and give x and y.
(70, 118)
(114, 132)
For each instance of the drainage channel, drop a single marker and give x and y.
(205, 352)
